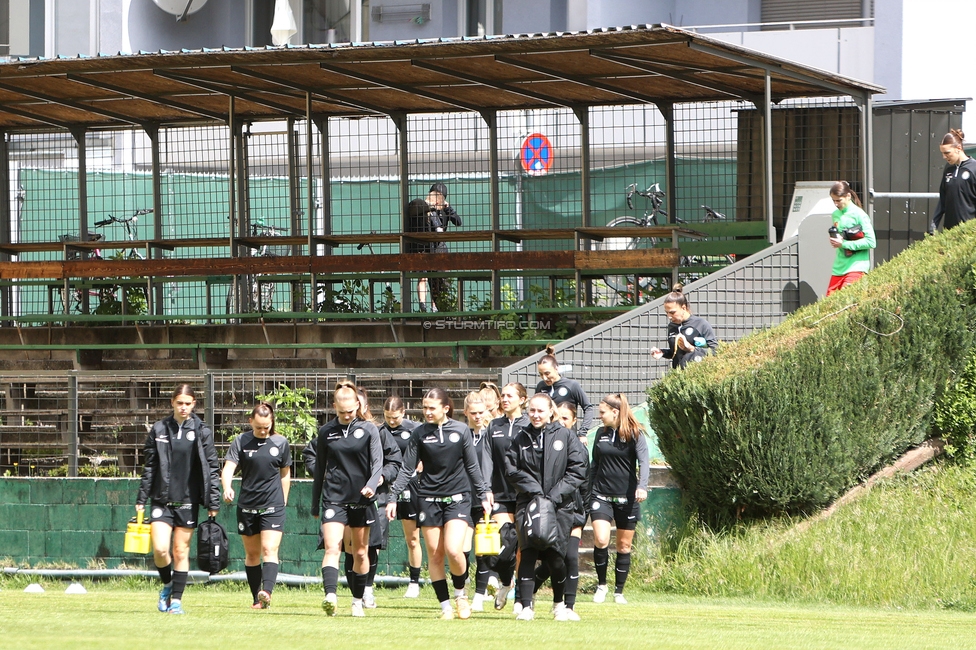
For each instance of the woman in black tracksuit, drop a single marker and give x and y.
(408, 507)
(617, 485)
(501, 432)
(563, 391)
(476, 411)
(265, 461)
(348, 462)
(545, 459)
(445, 448)
(181, 473)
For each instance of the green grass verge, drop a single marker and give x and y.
(910, 542)
(111, 617)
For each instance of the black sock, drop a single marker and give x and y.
(358, 585)
(415, 574)
(440, 590)
(525, 586)
(269, 575)
(348, 566)
(601, 557)
(621, 570)
(459, 580)
(165, 573)
(541, 575)
(505, 572)
(179, 585)
(253, 579)
(572, 572)
(330, 578)
(374, 560)
(481, 578)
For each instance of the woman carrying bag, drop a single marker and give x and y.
(546, 463)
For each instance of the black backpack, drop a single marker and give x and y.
(212, 552)
(538, 528)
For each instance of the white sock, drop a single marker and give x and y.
(369, 591)
(458, 593)
(446, 606)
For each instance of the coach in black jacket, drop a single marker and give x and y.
(547, 459)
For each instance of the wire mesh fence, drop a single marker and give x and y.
(278, 190)
(95, 424)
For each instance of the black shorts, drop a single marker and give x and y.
(252, 522)
(624, 515)
(409, 508)
(352, 516)
(504, 507)
(177, 515)
(434, 514)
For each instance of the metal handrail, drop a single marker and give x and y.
(791, 24)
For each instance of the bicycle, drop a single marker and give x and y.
(136, 297)
(260, 294)
(623, 285)
(74, 299)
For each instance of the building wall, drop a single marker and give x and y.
(218, 23)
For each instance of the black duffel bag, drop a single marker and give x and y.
(212, 553)
(537, 527)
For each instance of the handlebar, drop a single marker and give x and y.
(711, 214)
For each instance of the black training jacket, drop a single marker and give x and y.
(450, 462)
(345, 463)
(957, 195)
(569, 391)
(501, 432)
(618, 467)
(157, 452)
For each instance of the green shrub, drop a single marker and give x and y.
(955, 414)
(786, 419)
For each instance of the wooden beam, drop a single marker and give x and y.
(406, 263)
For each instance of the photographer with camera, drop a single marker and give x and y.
(432, 215)
(852, 235)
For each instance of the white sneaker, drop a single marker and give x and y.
(558, 609)
(566, 614)
(478, 603)
(357, 609)
(501, 597)
(525, 615)
(601, 594)
(619, 599)
(463, 607)
(517, 609)
(492, 585)
(329, 604)
(369, 600)
(413, 590)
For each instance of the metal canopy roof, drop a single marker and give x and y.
(640, 64)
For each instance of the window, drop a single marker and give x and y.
(483, 17)
(781, 11)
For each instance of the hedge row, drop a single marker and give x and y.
(785, 420)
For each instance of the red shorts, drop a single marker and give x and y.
(838, 282)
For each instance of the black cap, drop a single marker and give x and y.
(440, 188)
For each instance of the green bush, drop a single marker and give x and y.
(955, 414)
(786, 419)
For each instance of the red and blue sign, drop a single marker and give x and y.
(536, 154)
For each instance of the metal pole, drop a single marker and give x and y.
(79, 135)
(867, 146)
(6, 233)
(322, 124)
(208, 409)
(491, 119)
(72, 425)
(670, 183)
(235, 303)
(768, 156)
(156, 305)
(583, 115)
(400, 120)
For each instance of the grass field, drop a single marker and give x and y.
(112, 616)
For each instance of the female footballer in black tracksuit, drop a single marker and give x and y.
(181, 473)
(563, 391)
(478, 415)
(501, 431)
(265, 461)
(617, 485)
(408, 507)
(348, 461)
(545, 459)
(445, 448)
(379, 532)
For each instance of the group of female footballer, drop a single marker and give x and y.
(439, 478)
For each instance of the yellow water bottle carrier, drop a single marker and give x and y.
(137, 535)
(487, 537)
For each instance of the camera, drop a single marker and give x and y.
(436, 220)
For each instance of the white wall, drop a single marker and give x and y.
(937, 53)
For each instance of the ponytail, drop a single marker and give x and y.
(843, 188)
(628, 427)
(954, 138)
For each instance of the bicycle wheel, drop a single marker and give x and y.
(623, 285)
